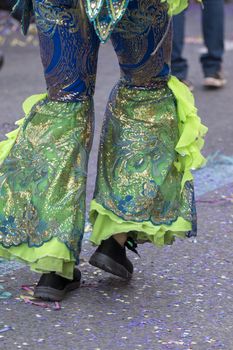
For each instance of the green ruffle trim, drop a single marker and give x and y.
(51, 256)
(105, 223)
(176, 6)
(6, 145)
(191, 130)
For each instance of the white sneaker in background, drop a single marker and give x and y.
(217, 81)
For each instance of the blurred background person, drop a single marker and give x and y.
(7, 5)
(213, 34)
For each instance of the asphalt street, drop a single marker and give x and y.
(180, 297)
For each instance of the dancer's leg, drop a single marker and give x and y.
(142, 186)
(121, 238)
(43, 178)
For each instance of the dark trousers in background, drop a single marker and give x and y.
(213, 33)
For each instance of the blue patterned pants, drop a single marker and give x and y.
(69, 46)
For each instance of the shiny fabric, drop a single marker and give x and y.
(69, 49)
(104, 14)
(43, 179)
(137, 178)
(69, 46)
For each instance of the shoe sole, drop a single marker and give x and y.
(213, 83)
(107, 264)
(52, 294)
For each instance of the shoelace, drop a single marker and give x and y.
(132, 245)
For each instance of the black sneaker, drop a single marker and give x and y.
(52, 287)
(111, 257)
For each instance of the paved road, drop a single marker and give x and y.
(181, 296)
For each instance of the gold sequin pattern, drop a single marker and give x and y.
(137, 179)
(43, 180)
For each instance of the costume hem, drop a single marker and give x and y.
(106, 223)
(51, 256)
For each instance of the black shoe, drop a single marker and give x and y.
(111, 257)
(53, 287)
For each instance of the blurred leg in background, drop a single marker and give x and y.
(213, 33)
(179, 64)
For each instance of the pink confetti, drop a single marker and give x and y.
(57, 306)
(28, 289)
(29, 299)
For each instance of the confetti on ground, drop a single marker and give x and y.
(217, 173)
(4, 294)
(6, 329)
(9, 266)
(29, 299)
